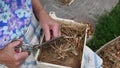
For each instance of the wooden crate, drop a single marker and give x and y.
(110, 53)
(65, 22)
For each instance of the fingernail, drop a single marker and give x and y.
(47, 39)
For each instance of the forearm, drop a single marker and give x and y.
(1, 57)
(39, 11)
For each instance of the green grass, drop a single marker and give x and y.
(108, 28)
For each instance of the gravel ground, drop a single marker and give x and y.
(80, 10)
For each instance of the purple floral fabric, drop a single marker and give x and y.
(15, 17)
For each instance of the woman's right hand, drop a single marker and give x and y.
(11, 58)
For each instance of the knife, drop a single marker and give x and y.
(30, 48)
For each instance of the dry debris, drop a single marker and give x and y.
(110, 54)
(67, 50)
(66, 2)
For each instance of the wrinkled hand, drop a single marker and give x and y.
(10, 58)
(50, 28)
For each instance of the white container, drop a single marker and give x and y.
(49, 65)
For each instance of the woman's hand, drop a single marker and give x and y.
(51, 28)
(49, 25)
(10, 58)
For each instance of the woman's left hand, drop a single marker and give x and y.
(51, 28)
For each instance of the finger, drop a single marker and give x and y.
(13, 66)
(47, 32)
(21, 56)
(55, 31)
(21, 39)
(14, 44)
(59, 31)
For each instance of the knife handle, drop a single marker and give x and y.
(22, 48)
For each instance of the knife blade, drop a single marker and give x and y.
(44, 45)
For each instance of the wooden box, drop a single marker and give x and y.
(65, 52)
(110, 53)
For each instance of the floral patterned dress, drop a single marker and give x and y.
(15, 17)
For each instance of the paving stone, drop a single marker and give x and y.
(80, 10)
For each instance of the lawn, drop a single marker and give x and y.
(108, 28)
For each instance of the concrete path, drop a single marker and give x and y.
(80, 10)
